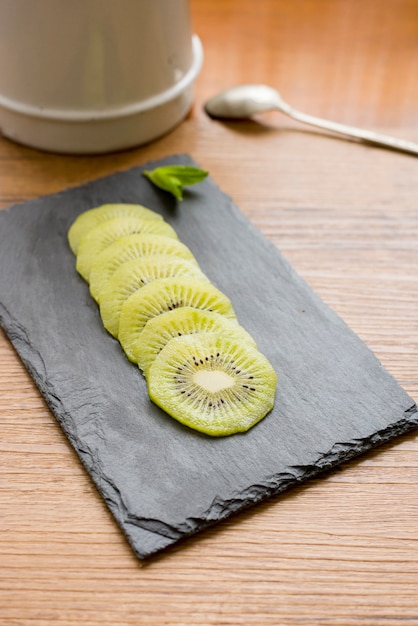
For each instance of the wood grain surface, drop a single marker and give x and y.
(341, 550)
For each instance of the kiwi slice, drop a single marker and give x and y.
(103, 235)
(162, 295)
(128, 248)
(133, 275)
(160, 330)
(93, 217)
(212, 383)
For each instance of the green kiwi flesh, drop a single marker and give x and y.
(103, 235)
(134, 275)
(160, 330)
(162, 295)
(93, 217)
(201, 366)
(128, 248)
(212, 383)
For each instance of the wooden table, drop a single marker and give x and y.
(341, 550)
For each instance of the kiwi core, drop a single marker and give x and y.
(213, 380)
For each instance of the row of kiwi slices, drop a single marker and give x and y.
(200, 365)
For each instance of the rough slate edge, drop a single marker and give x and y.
(148, 540)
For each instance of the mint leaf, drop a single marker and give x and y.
(173, 178)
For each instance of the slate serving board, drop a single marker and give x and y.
(161, 480)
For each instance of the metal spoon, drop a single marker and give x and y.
(246, 100)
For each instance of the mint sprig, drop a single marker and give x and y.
(173, 178)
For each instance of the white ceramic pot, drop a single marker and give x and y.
(93, 76)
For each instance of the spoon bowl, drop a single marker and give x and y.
(245, 101)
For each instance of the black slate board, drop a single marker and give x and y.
(163, 481)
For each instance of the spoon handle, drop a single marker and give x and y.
(351, 131)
